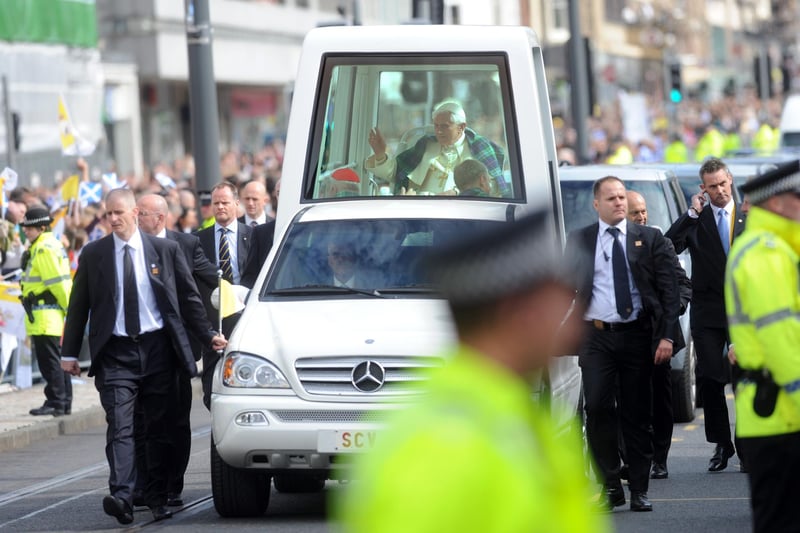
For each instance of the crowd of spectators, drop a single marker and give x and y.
(77, 222)
(742, 121)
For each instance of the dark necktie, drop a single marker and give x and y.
(225, 256)
(130, 294)
(622, 290)
(253, 223)
(723, 227)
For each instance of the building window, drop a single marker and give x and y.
(614, 10)
(560, 14)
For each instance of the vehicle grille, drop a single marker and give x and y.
(308, 415)
(333, 375)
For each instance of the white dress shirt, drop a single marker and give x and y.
(149, 314)
(233, 241)
(260, 220)
(603, 305)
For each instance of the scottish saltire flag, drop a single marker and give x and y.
(90, 193)
(112, 182)
(165, 181)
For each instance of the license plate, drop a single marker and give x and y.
(346, 440)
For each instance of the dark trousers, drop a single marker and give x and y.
(662, 412)
(140, 371)
(773, 469)
(58, 384)
(180, 432)
(713, 372)
(606, 359)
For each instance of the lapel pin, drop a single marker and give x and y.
(154, 269)
(637, 243)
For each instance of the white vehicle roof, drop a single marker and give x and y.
(417, 38)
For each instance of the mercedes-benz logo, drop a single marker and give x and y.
(368, 376)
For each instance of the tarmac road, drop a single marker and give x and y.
(57, 479)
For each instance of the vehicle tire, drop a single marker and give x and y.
(237, 492)
(684, 390)
(297, 483)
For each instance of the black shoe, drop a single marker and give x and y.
(659, 471)
(612, 496)
(174, 500)
(46, 410)
(719, 461)
(119, 509)
(160, 512)
(68, 410)
(640, 503)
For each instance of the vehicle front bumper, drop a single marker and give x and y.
(288, 433)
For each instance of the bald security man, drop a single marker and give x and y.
(255, 198)
(662, 373)
(153, 211)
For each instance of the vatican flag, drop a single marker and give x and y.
(71, 141)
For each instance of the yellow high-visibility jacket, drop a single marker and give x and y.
(762, 300)
(676, 152)
(474, 454)
(47, 269)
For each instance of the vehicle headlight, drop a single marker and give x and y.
(250, 371)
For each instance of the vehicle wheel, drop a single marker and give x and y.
(296, 483)
(684, 390)
(237, 492)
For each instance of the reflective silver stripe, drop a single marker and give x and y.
(32, 279)
(738, 316)
(53, 281)
(776, 316)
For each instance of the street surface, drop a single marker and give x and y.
(58, 485)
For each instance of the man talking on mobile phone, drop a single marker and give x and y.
(707, 230)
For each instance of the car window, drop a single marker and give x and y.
(577, 201)
(389, 102)
(368, 255)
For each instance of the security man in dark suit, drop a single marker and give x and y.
(260, 244)
(662, 373)
(138, 295)
(627, 281)
(707, 230)
(226, 244)
(152, 218)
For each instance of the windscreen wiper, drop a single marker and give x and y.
(309, 290)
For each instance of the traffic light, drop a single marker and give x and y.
(675, 87)
(16, 122)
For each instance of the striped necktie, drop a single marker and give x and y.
(225, 255)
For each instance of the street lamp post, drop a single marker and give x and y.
(579, 83)
(202, 95)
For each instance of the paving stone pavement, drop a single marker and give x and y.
(18, 428)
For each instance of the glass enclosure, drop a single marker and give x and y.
(360, 257)
(406, 125)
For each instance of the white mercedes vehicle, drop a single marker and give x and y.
(342, 325)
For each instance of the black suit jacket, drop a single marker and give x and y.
(94, 293)
(203, 270)
(260, 245)
(700, 236)
(652, 267)
(207, 242)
